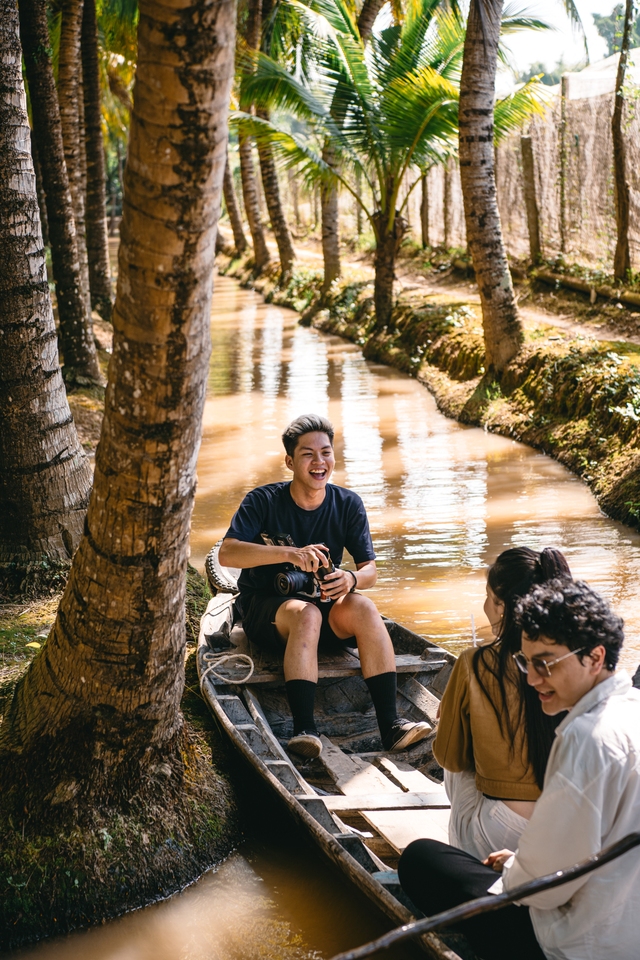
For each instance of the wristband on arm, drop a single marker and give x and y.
(355, 581)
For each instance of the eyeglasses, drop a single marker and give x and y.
(541, 667)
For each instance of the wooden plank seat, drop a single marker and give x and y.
(345, 665)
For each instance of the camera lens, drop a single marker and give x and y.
(292, 581)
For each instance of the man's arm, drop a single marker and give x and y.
(238, 553)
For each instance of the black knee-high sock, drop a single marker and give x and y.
(301, 695)
(383, 688)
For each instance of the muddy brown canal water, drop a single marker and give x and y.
(443, 501)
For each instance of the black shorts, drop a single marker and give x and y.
(259, 614)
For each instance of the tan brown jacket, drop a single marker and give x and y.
(469, 737)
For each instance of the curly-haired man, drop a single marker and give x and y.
(571, 642)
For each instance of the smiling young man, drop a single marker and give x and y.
(307, 524)
(571, 641)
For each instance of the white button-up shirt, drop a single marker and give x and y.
(591, 798)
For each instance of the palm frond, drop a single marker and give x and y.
(515, 19)
(269, 84)
(291, 151)
(402, 52)
(417, 105)
(513, 111)
(444, 48)
(337, 13)
(576, 22)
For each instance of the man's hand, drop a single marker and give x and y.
(310, 558)
(498, 859)
(337, 584)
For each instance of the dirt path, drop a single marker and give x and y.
(562, 312)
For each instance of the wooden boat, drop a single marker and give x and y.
(361, 805)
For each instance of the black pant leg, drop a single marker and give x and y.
(437, 877)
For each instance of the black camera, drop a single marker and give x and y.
(289, 582)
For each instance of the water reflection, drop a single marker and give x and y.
(307, 377)
(360, 430)
(443, 499)
(272, 900)
(244, 366)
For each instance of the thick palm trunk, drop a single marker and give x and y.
(274, 205)
(446, 204)
(250, 193)
(97, 233)
(70, 98)
(367, 18)
(295, 198)
(233, 210)
(622, 258)
(45, 477)
(387, 246)
(76, 336)
(96, 718)
(502, 328)
(530, 198)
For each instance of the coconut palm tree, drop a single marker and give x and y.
(272, 196)
(329, 206)
(502, 327)
(101, 701)
(76, 335)
(70, 96)
(622, 257)
(252, 38)
(96, 199)
(45, 478)
(233, 211)
(397, 104)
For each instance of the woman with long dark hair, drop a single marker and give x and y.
(493, 740)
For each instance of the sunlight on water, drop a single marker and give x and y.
(362, 443)
(443, 499)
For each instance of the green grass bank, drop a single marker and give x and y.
(575, 398)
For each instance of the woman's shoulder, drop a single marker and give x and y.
(479, 659)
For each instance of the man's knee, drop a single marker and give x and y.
(299, 618)
(354, 611)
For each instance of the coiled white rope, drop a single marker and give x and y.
(215, 661)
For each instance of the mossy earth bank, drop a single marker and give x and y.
(67, 872)
(574, 397)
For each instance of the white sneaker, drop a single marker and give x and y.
(307, 745)
(404, 733)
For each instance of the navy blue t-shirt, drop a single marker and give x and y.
(339, 522)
